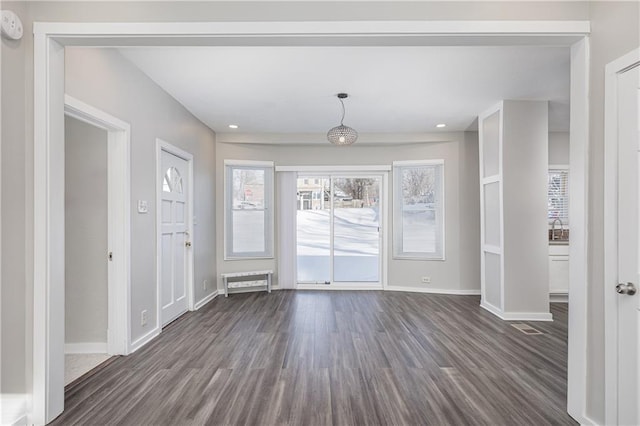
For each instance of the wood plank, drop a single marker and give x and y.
(334, 357)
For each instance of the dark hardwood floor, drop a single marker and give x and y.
(334, 357)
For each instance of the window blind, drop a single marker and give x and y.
(558, 195)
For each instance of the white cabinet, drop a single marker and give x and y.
(558, 271)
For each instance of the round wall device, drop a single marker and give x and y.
(11, 25)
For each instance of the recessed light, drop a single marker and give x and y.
(233, 126)
(441, 125)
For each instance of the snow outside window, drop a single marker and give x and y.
(248, 209)
(418, 209)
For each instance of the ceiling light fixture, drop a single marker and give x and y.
(342, 135)
(233, 126)
(441, 125)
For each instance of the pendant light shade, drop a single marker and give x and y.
(342, 135)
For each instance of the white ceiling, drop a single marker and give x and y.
(392, 89)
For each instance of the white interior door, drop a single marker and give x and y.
(628, 248)
(174, 236)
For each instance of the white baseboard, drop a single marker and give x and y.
(205, 300)
(516, 316)
(14, 409)
(460, 292)
(144, 340)
(86, 348)
(586, 421)
(558, 297)
(324, 287)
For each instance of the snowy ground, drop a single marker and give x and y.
(356, 245)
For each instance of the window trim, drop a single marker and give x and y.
(269, 227)
(397, 253)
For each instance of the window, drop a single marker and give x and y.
(248, 209)
(558, 195)
(418, 209)
(172, 181)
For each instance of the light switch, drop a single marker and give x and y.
(143, 206)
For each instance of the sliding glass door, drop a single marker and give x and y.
(314, 230)
(338, 229)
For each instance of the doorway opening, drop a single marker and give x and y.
(96, 210)
(86, 248)
(339, 230)
(49, 44)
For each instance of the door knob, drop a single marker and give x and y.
(188, 244)
(629, 289)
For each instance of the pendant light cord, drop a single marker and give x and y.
(342, 119)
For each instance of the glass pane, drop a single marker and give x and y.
(491, 145)
(248, 189)
(419, 186)
(172, 181)
(356, 227)
(313, 230)
(492, 214)
(248, 231)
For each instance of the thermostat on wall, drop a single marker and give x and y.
(11, 25)
(143, 206)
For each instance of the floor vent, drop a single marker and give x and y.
(526, 328)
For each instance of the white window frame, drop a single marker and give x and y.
(398, 252)
(555, 169)
(268, 167)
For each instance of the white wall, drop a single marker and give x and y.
(16, 288)
(559, 148)
(460, 270)
(85, 233)
(525, 171)
(106, 80)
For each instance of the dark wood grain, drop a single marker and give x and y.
(333, 357)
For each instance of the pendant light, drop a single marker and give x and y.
(342, 135)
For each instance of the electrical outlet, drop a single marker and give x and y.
(143, 318)
(204, 284)
(426, 280)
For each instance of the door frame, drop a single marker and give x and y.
(165, 146)
(49, 41)
(119, 219)
(331, 172)
(612, 70)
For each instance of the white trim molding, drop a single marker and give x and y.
(143, 340)
(578, 216)
(14, 409)
(332, 287)
(85, 348)
(248, 163)
(611, 192)
(516, 316)
(50, 39)
(208, 298)
(453, 291)
(559, 296)
(333, 169)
